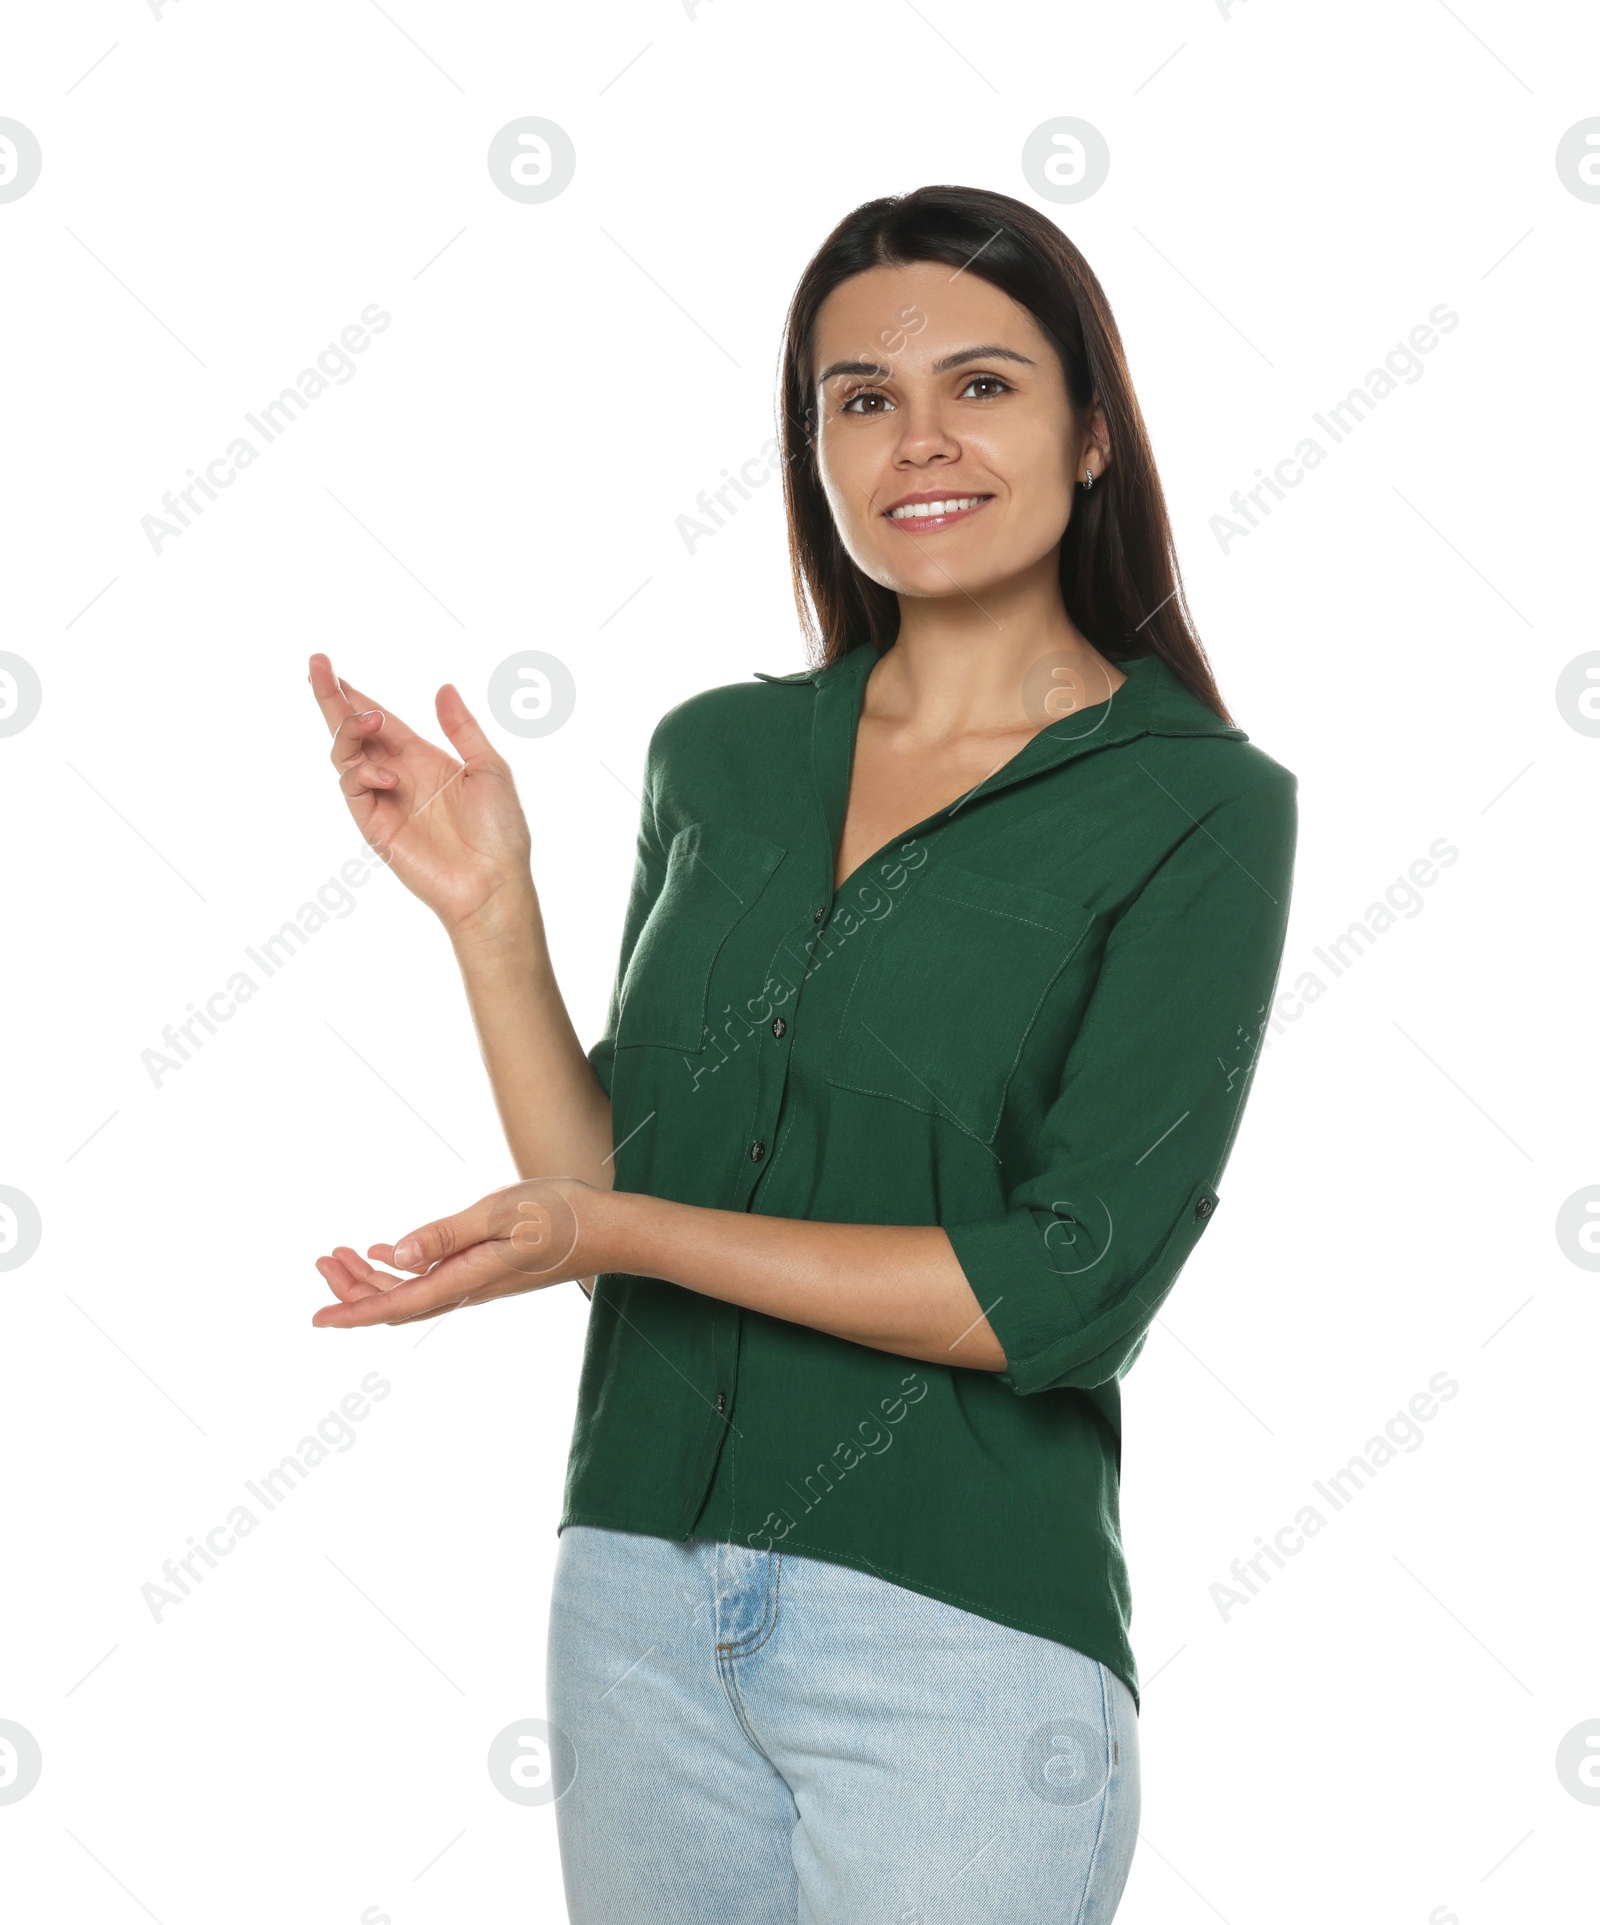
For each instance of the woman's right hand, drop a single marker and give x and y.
(452, 831)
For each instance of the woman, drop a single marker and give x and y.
(941, 981)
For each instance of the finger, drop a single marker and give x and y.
(356, 729)
(335, 1265)
(331, 699)
(339, 1280)
(444, 1309)
(368, 779)
(347, 1275)
(461, 1273)
(338, 699)
(384, 1253)
(364, 777)
(418, 1249)
(460, 1278)
(395, 732)
(388, 1306)
(363, 1271)
(356, 753)
(474, 1276)
(463, 729)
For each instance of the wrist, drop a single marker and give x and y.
(609, 1232)
(505, 921)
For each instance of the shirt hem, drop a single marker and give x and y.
(1115, 1661)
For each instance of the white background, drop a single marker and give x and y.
(1291, 191)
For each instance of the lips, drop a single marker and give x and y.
(931, 510)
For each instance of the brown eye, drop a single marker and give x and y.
(991, 381)
(864, 394)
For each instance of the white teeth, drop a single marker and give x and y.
(920, 510)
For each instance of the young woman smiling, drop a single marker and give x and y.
(941, 982)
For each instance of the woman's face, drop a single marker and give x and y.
(934, 387)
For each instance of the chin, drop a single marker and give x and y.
(945, 575)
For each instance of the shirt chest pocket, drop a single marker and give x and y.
(713, 878)
(952, 989)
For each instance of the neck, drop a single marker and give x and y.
(960, 662)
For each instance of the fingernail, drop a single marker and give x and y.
(373, 715)
(406, 1255)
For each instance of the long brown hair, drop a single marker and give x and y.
(1120, 580)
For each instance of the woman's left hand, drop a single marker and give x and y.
(531, 1234)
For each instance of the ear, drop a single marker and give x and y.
(1100, 436)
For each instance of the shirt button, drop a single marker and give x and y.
(757, 1151)
(819, 912)
(1203, 1209)
(722, 1400)
(778, 1026)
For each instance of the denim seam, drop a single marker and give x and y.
(726, 1656)
(730, 1687)
(744, 1647)
(1108, 1721)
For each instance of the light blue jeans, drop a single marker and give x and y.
(766, 1739)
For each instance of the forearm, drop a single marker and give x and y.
(890, 1288)
(556, 1117)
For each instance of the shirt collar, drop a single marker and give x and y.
(1151, 701)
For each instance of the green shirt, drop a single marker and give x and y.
(1031, 1019)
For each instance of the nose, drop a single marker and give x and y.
(925, 433)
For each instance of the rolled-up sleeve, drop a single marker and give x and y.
(1122, 1179)
(649, 877)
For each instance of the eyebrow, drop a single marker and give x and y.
(873, 369)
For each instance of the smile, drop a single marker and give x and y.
(941, 511)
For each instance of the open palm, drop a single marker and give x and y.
(452, 830)
(526, 1236)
